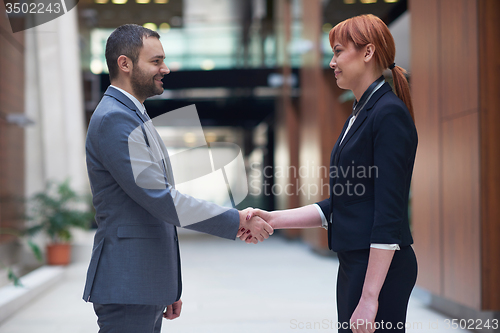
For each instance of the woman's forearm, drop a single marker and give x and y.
(378, 266)
(303, 217)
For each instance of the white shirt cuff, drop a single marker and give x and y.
(324, 222)
(385, 246)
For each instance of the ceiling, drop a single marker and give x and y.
(107, 14)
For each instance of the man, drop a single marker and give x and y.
(134, 273)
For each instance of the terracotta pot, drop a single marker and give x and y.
(59, 254)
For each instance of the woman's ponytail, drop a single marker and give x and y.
(402, 88)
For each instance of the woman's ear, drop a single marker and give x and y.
(369, 52)
(124, 63)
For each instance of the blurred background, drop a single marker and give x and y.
(257, 71)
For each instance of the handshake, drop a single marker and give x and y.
(255, 225)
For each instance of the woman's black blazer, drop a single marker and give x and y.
(370, 175)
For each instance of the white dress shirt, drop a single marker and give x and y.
(139, 105)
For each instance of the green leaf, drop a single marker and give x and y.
(34, 230)
(57, 209)
(13, 277)
(36, 250)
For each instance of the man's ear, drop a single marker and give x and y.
(124, 63)
(369, 52)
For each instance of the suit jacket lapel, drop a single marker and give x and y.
(357, 124)
(162, 150)
(166, 159)
(376, 95)
(336, 146)
(364, 113)
(119, 96)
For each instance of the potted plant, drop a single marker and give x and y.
(55, 211)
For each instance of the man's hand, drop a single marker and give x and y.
(253, 228)
(173, 310)
(263, 214)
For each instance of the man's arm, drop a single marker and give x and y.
(125, 154)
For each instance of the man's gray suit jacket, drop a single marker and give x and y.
(135, 257)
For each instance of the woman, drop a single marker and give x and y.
(370, 173)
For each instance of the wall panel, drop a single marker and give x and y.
(11, 136)
(489, 87)
(425, 201)
(456, 188)
(459, 104)
(458, 58)
(461, 221)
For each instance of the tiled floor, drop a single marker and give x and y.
(229, 286)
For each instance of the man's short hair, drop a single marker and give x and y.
(125, 40)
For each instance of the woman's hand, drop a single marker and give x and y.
(246, 235)
(263, 214)
(363, 318)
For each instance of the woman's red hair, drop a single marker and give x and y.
(365, 29)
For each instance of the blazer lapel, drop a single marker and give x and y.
(364, 113)
(336, 146)
(386, 87)
(166, 158)
(357, 124)
(153, 134)
(120, 97)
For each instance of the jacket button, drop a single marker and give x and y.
(175, 238)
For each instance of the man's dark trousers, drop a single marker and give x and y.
(129, 318)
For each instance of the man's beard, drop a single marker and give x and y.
(143, 85)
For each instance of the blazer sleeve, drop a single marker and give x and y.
(325, 207)
(160, 200)
(394, 140)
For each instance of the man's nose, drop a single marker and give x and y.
(165, 70)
